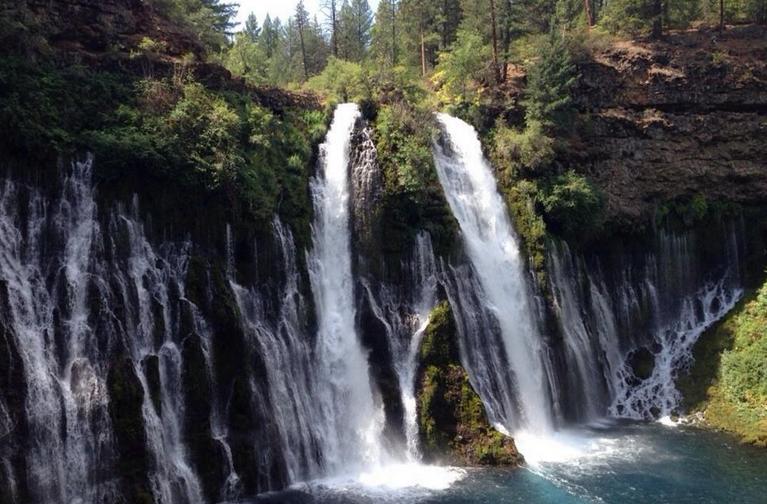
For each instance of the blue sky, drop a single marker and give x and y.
(281, 8)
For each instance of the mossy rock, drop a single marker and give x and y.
(452, 422)
(126, 398)
(727, 383)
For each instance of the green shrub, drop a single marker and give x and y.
(571, 204)
(341, 81)
(522, 153)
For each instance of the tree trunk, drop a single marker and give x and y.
(393, 33)
(423, 56)
(721, 15)
(657, 19)
(334, 27)
(303, 50)
(589, 15)
(496, 69)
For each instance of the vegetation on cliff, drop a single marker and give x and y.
(453, 426)
(728, 380)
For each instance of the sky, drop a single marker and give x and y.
(281, 8)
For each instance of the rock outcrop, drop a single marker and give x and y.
(663, 122)
(452, 422)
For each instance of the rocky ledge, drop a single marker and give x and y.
(666, 121)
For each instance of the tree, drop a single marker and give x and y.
(548, 97)
(270, 34)
(329, 7)
(384, 32)
(494, 29)
(301, 18)
(247, 58)
(223, 15)
(459, 67)
(251, 27)
(355, 29)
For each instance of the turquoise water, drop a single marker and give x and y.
(619, 464)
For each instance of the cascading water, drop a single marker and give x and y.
(287, 352)
(350, 420)
(74, 296)
(404, 311)
(493, 250)
(657, 304)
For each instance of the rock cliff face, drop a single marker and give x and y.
(663, 122)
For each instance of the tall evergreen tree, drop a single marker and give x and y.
(330, 7)
(301, 20)
(385, 32)
(252, 29)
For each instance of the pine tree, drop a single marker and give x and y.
(385, 32)
(251, 27)
(330, 7)
(301, 19)
(548, 99)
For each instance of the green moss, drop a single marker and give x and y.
(452, 422)
(728, 381)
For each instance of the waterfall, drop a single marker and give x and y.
(350, 420)
(493, 249)
(291, 373)
(655, 305)
(403, 310)
(74, 297)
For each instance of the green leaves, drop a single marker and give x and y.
(572, 203)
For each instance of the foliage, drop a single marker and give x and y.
(728, 380)
(522, 153)
(459, 68)
(627, 16)
(571, 203)
(403, 140)
(451, 416)
(521, 201)
(341, 81)
(548, 99)
(208, 20)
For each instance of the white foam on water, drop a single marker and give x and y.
(396, 482)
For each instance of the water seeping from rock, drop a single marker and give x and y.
(647, 311)
(76, 299)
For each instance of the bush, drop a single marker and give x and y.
(522, 153)
(571, 204)
(341, 81)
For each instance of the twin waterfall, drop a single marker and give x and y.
(124, 352)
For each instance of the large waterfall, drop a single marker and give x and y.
(135, 368)
(493, 249)
(352, 422)
(628, 322)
